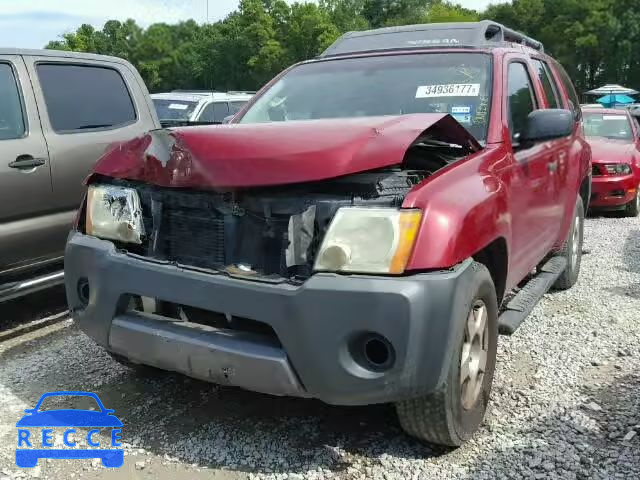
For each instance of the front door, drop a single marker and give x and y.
(25, 175)
(534, 197)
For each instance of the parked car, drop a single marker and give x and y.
(355, 234)
(192, 106)
(58, 113)
(615, 142)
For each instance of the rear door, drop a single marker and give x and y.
(26, 212)
(86, 105)
(532, 190)
(214, 112)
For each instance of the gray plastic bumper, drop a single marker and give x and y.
(316, 324)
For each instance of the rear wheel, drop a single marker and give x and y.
(451, 415)
(633, 207)
(572, 249)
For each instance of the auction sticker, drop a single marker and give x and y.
(462, 113)
(178, 106)
(451, 90)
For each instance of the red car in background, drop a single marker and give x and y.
(615, 145)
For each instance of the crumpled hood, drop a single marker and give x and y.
(611, 151)
(275, 153)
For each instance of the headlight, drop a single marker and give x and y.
(369, 240)
(114, 213)
(618, 168)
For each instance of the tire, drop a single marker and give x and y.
(444, 417)
(572, 250)
(633, 207)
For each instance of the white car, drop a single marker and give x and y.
(198, 106)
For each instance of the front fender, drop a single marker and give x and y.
(465, 208)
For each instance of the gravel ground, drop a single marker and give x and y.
(565, 402)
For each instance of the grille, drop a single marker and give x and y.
(204, 232)
(186, 227)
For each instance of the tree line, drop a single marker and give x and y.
(595, 40)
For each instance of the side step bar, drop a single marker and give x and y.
(18, 289)
(521, 305)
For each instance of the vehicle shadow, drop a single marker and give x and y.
(32, 307)
(195, 422)
(584, 442)
(605, 213)
(631, 259)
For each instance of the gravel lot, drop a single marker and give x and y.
(566, 401)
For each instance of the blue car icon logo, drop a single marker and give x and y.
(35, 429)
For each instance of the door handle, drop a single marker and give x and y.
(26, 162)
(552, 166)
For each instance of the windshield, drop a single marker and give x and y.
(604, 125)
(454, 83)
(174, 109)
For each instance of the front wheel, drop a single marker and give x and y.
(452, 414)
(633, 207)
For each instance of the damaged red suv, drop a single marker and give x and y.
(615, 143)
(355, 235)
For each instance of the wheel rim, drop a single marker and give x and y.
(638, 198)
(575, 242)
(473, 361)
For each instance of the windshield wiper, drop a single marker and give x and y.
(438, 144)
(166, 123)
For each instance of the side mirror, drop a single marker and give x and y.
(227, 119)
(543, 125)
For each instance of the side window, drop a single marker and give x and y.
(521, 97)
(82, 97)
(571, 91)
(214, 112)
(545, 79)
(235, 107)
(11, 117)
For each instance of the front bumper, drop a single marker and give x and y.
(613, 191)
(317, 325)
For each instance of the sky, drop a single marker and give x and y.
(33, 23)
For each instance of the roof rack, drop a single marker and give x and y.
(240, 92)
(485, 33)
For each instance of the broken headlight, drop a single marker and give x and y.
(114, 213)
(369, 240)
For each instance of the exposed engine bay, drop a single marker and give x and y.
(271, 233)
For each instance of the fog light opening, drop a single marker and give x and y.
(84, 291)
(376, 351)
(372, 351)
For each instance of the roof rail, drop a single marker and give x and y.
(485, 33)
(238, 92)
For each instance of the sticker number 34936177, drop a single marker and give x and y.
(451, 90)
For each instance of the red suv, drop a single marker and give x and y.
(355, 235)
(613, 136)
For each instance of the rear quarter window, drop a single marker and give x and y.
(570, 89)
(83, 97)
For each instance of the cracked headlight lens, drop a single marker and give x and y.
(114, 213)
